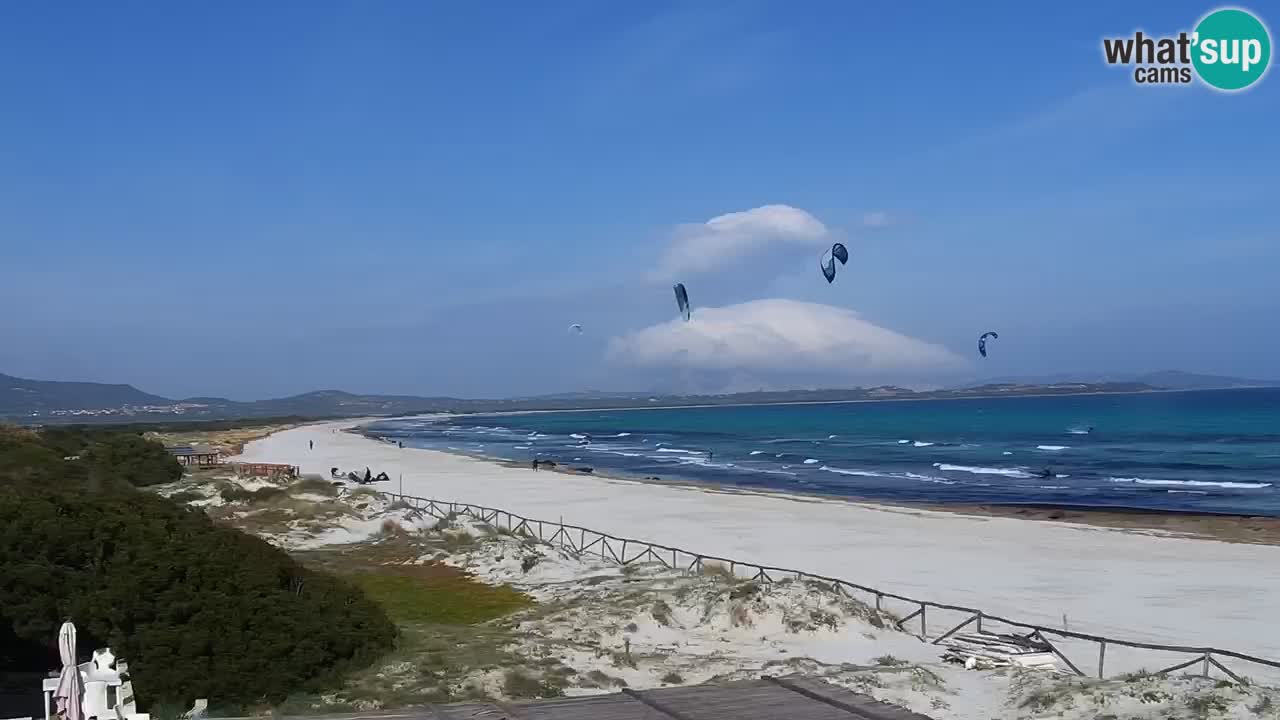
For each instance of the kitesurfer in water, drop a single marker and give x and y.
(1045, 473)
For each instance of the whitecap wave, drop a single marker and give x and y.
(757, 452)
(577, 436)
(811, 461)
(1006, 452)
(1195, 483)
(921, 444)
(1006, 472)
(1053, 448)
(896, 476)
(903, 442)
(679, 450)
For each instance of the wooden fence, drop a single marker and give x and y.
(625, 551)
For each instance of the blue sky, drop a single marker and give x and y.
(420, 197)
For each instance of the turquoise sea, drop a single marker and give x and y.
(1206, 451)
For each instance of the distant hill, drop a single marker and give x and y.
(43, 401)
(19, 396)
(1165, 379)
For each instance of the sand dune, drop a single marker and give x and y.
(1139, 586)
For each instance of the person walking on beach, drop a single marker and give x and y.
(311, 444)
(535, 464)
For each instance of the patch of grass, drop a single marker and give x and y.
(599, 679)
(744, 591)
(528, 562)
(1154, 696)
(1264, 707)
(438, 594)
(711, 568)
(237, 494)
(889, 661)
(186, 497)
(1206, 705)
(1040, 700)
(661, 612)
(672, 678)
(631, 627)
(518, 684)
(313, 485)
(457, 541)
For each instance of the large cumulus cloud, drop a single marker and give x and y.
(778, 336)
(728, 239)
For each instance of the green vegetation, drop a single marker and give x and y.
(237, 494)
(437, 594)
(449, 622)
(90, 457)
(198, 610)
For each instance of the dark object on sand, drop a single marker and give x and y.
(548, 463)
(333, 473)
(584, 470)
(382, 477)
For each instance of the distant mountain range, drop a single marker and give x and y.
(1165, 379)
(47, 401)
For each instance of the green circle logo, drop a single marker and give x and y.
(1232, 49)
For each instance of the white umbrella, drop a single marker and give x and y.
(70, 692)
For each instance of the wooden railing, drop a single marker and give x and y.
(625, 551)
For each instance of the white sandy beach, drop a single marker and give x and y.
(1119, 583)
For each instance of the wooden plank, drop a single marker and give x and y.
(955, 629)
(1180, 666)
(1236, 678)
(861, 707)
(1061, 657)
(660, 707)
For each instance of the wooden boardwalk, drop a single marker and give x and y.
(789, 698)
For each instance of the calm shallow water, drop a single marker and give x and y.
(1209, 451)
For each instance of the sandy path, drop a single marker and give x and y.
(1124, 584)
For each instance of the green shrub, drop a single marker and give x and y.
(132, 458)
(198, 610)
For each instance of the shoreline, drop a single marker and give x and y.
(1142, 584)
(504, 413)
(1192, 524)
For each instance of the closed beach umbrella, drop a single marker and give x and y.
(70, 686)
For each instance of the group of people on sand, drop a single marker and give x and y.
(368, 476)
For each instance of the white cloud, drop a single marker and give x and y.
(878, 218)
(779, 336)
(725, 239)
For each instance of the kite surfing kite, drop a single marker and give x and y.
(982, 342)
(682, 301)
(837, 252)
(575, 328)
